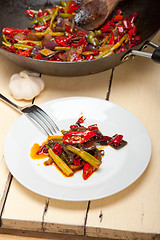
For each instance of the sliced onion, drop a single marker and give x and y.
(60, 26)
(19, 37)
(35, 50)
(49, 44)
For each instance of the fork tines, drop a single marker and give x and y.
(39, 116)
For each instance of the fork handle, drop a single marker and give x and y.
(6, 100)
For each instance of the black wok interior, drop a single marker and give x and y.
(148, 22)
(13, 16)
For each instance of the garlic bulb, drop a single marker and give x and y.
(25, 85)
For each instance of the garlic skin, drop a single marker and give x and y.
(26, 85)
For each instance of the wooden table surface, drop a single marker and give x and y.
(133, 213)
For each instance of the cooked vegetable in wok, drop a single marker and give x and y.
(77, 149)
(53, 36)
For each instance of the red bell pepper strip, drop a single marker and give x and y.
(81, 42)
(126, 23)
(130, 34)
(122, 49)
(42, 149)
(78, 161)
(73, 6)
(38, 56)
(78, 137)
(26, 53)
(73, 126)
(77, 58)
(120, 29)
(68, 29)
(90, 57)
(57, 149)
(111, 40)
(87, 171)
(15, 31)
(95, 51)
(119, 12)
(62, 40)
(117, 18)
(104, 139)
(81, 120)
(29, 13)
(82, 33)
(42, 27)
(116, 140)
(93, 127)
(107, 27)
(133, 17)
(40, 11)
(136, 40)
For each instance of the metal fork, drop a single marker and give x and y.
(37, 115)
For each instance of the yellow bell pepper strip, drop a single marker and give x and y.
(66, 8)
(54, 16)
(6, 42)
(22, 46)
(85, 156)
(118, 44)
(39, 43)
(54, 34)
(63, 3)
(105, 54)
(60, 163)
(62, 48)
(66, 15)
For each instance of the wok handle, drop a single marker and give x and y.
(155, 56)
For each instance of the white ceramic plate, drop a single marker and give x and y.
(118, 170)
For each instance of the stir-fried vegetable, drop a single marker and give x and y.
(77, 149)
(60, 163)
(85, 156)
(53, 36)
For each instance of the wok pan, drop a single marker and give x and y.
(148, 23)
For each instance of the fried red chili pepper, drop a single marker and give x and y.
(87, 171)
(84, 155)
(29, 13)
(55, 29)
(78, 137)
(57, 149)
(14, 31)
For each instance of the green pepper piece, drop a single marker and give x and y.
(85, 156)
(92, 39)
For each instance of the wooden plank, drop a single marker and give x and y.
(134, 213)
(8, 116)
(91, 86)
(25, 235)
(52, 215)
